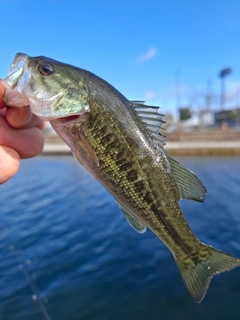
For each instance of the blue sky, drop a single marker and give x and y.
(145, 48)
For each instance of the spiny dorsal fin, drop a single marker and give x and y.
(152, 119)
(134, 222)
(188, 184)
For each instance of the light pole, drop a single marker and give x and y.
(223, 73)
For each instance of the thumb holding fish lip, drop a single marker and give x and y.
(23, 118)
(20, 137)
(9, 158)
(20, 117)
(20, 129)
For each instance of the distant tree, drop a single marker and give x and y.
(184, 114)
(231, 115)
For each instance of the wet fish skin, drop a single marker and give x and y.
(113, 144)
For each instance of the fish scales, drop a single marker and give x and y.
(141, 182)
(118, 143)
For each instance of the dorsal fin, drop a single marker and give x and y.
(152, 119)
(188, 184)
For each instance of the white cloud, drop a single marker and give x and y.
(149, 95)
(148, 55)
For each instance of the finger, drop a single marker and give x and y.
(23, 118)
(27, 142)
(9, 163)
(20, 117)
(1, 95)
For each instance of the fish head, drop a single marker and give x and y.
(50, 88)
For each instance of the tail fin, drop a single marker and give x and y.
(198, 271)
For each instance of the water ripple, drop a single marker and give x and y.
(63, 234)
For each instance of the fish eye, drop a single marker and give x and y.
(45, 68)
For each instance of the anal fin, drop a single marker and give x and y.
(134, 222)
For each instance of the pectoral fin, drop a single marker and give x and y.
(88, 148)
(134, 222)
(188, 184)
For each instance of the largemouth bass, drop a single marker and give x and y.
(117, 141)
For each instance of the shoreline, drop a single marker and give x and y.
(206, 148)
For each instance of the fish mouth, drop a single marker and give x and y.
(61, 122)
(64, 124)
(17, 66)
(66, 119)
(24, 87)
(15, 82)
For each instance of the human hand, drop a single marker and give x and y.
(20, 137)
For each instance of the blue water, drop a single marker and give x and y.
(67, 251)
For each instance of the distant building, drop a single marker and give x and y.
(203, 120)
(230, 117)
